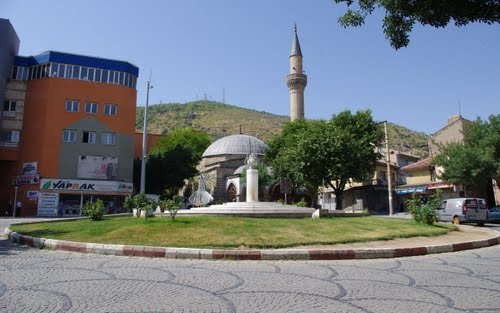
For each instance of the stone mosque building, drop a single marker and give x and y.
(224, 160)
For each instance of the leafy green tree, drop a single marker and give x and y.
(312, 153)
(401, 15)
(173, 159)
(350, 154)
(287, 153)
(475, 161)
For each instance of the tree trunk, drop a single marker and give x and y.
(338, 199)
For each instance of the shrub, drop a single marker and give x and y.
(129, 204)
(94, 211)
(302, 203)
(424, 212)
(172, 206)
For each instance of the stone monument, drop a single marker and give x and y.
(252, 178)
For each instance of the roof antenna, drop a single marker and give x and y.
(459, 108)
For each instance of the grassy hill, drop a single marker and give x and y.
(219, 120)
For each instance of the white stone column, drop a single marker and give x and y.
(252, 185)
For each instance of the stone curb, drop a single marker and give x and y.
(250, 254)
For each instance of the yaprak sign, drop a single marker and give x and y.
(84, 185)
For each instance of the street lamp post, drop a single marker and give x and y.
(144, 142)
(388, 163)
(387, 160)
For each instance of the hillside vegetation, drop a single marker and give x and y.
(219, 120)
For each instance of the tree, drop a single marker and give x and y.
(173, 159)
(475, 161)
(401, 15)
(287, 152)
(312, 153)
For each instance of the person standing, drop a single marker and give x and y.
(19, 206)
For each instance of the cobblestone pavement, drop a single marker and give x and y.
(33, 280)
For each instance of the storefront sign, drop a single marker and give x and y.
(87, 186)
(30, 168)
(32, 194)
(100, 167)
(404, 191)
(439, 185)
(125, 187)
(47, 204)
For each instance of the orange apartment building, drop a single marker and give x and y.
(67, 130)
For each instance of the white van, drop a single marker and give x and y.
(463, 210)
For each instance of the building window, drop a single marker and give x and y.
(69, 71)
(85, 73)
(72, 106)
(382, 176)
(91, 74)
(104, 77)
(69, 136)
(110, 109)
(88, 137)
(76, 72)
(9, 136)
(108, 138)
(90, 107)
(9, 106)
(98, 75)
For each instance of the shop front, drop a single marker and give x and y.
(66, 197)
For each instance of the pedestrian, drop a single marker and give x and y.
(19, 206)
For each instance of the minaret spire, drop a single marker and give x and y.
(296, 80)
(296, 45)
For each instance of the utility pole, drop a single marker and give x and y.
(388, 162)
(144, 140)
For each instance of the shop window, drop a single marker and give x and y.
(108, 138)
(72, 106)
(88, 137)
(91, 107)
(69, 135)
(110, 109)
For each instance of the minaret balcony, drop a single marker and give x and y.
(296, 81)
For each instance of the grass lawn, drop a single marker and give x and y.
(227, 232)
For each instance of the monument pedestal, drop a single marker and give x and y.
(252, 185)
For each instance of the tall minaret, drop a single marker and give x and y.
(296, 81)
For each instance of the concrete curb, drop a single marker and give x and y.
(250, 254)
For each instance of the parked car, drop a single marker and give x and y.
(463, 210)
(494, 214)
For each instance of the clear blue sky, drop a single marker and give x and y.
(197, 47)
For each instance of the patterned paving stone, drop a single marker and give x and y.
(33, 280)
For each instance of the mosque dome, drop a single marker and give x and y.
(236, 144)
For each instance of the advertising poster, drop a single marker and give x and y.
(97, 167)
(47, 204)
